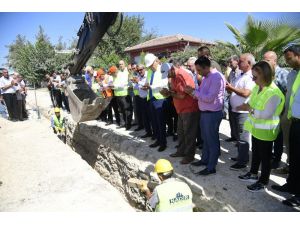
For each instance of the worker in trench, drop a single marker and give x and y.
(58, 124)
(171, 195)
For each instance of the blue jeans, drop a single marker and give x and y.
(210, 123)
(158, 119)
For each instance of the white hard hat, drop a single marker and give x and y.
(149, 59)
(165, 68)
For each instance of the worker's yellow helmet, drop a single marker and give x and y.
(163, 166)
(56, 110)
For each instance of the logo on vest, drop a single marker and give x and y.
(179, 197)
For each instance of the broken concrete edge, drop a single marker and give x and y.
(117, 157)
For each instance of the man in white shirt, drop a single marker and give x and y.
(56, 90)
(8, 90)
(235, 71)
(143, 107)
(240, 90)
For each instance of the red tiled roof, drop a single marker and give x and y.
(167, 40)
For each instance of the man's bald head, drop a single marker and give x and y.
(271, 57)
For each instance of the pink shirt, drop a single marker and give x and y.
(210, 93)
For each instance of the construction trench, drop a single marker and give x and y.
(118, 155)
(117, 158)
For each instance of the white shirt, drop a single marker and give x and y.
(141, 83)
(56, 81)
(4, 82)
(242, 81)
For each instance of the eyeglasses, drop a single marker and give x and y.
(254, 77)
(140, 70)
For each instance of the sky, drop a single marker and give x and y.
(207, 26)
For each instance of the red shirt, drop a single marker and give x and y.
(188, 104)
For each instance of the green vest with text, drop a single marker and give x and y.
(174, 196)
(264, 129)
(295, 88)
(157, 79)
(58, 122)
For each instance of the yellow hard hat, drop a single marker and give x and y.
(163, 166)
(57, 110)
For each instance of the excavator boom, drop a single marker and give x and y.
(84, 103)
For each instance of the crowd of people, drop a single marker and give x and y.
(56, 84)
(187, 99)
(13, 93)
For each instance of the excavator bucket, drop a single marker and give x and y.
(84, 104)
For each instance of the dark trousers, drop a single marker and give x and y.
(187, 132)
(243, 137)
(139, 115)
(210, 123)
(57, 98)
(51, 96)
(158, 119)
(125, 105)
(261, 154)
(171, 116)
(11, 105)
(293, 179)
(24, 111)
(278, 147)
(113, 105)
(65, 100)
(231, 123)
(19, 109)
(199, 138)
(146, 112)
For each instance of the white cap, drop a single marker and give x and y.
(149, 59)
(165, 68)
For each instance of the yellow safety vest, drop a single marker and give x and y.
(95, 88)
(264, 129)
(157, 78)
(174, 196)
(116, 80)
(58, 122)
(295, 88)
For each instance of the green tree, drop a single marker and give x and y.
(183, 56)
(111, 48)
(261, 36)
(33, 61)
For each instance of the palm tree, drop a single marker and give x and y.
(261, 36)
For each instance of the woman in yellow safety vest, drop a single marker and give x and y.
(265, 105)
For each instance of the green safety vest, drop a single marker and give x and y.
(58, 122)
(156, 80)
(174, 196)
(264, 129)
(295, 88)
(135, 92)
(95, 88)
(120, 91)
